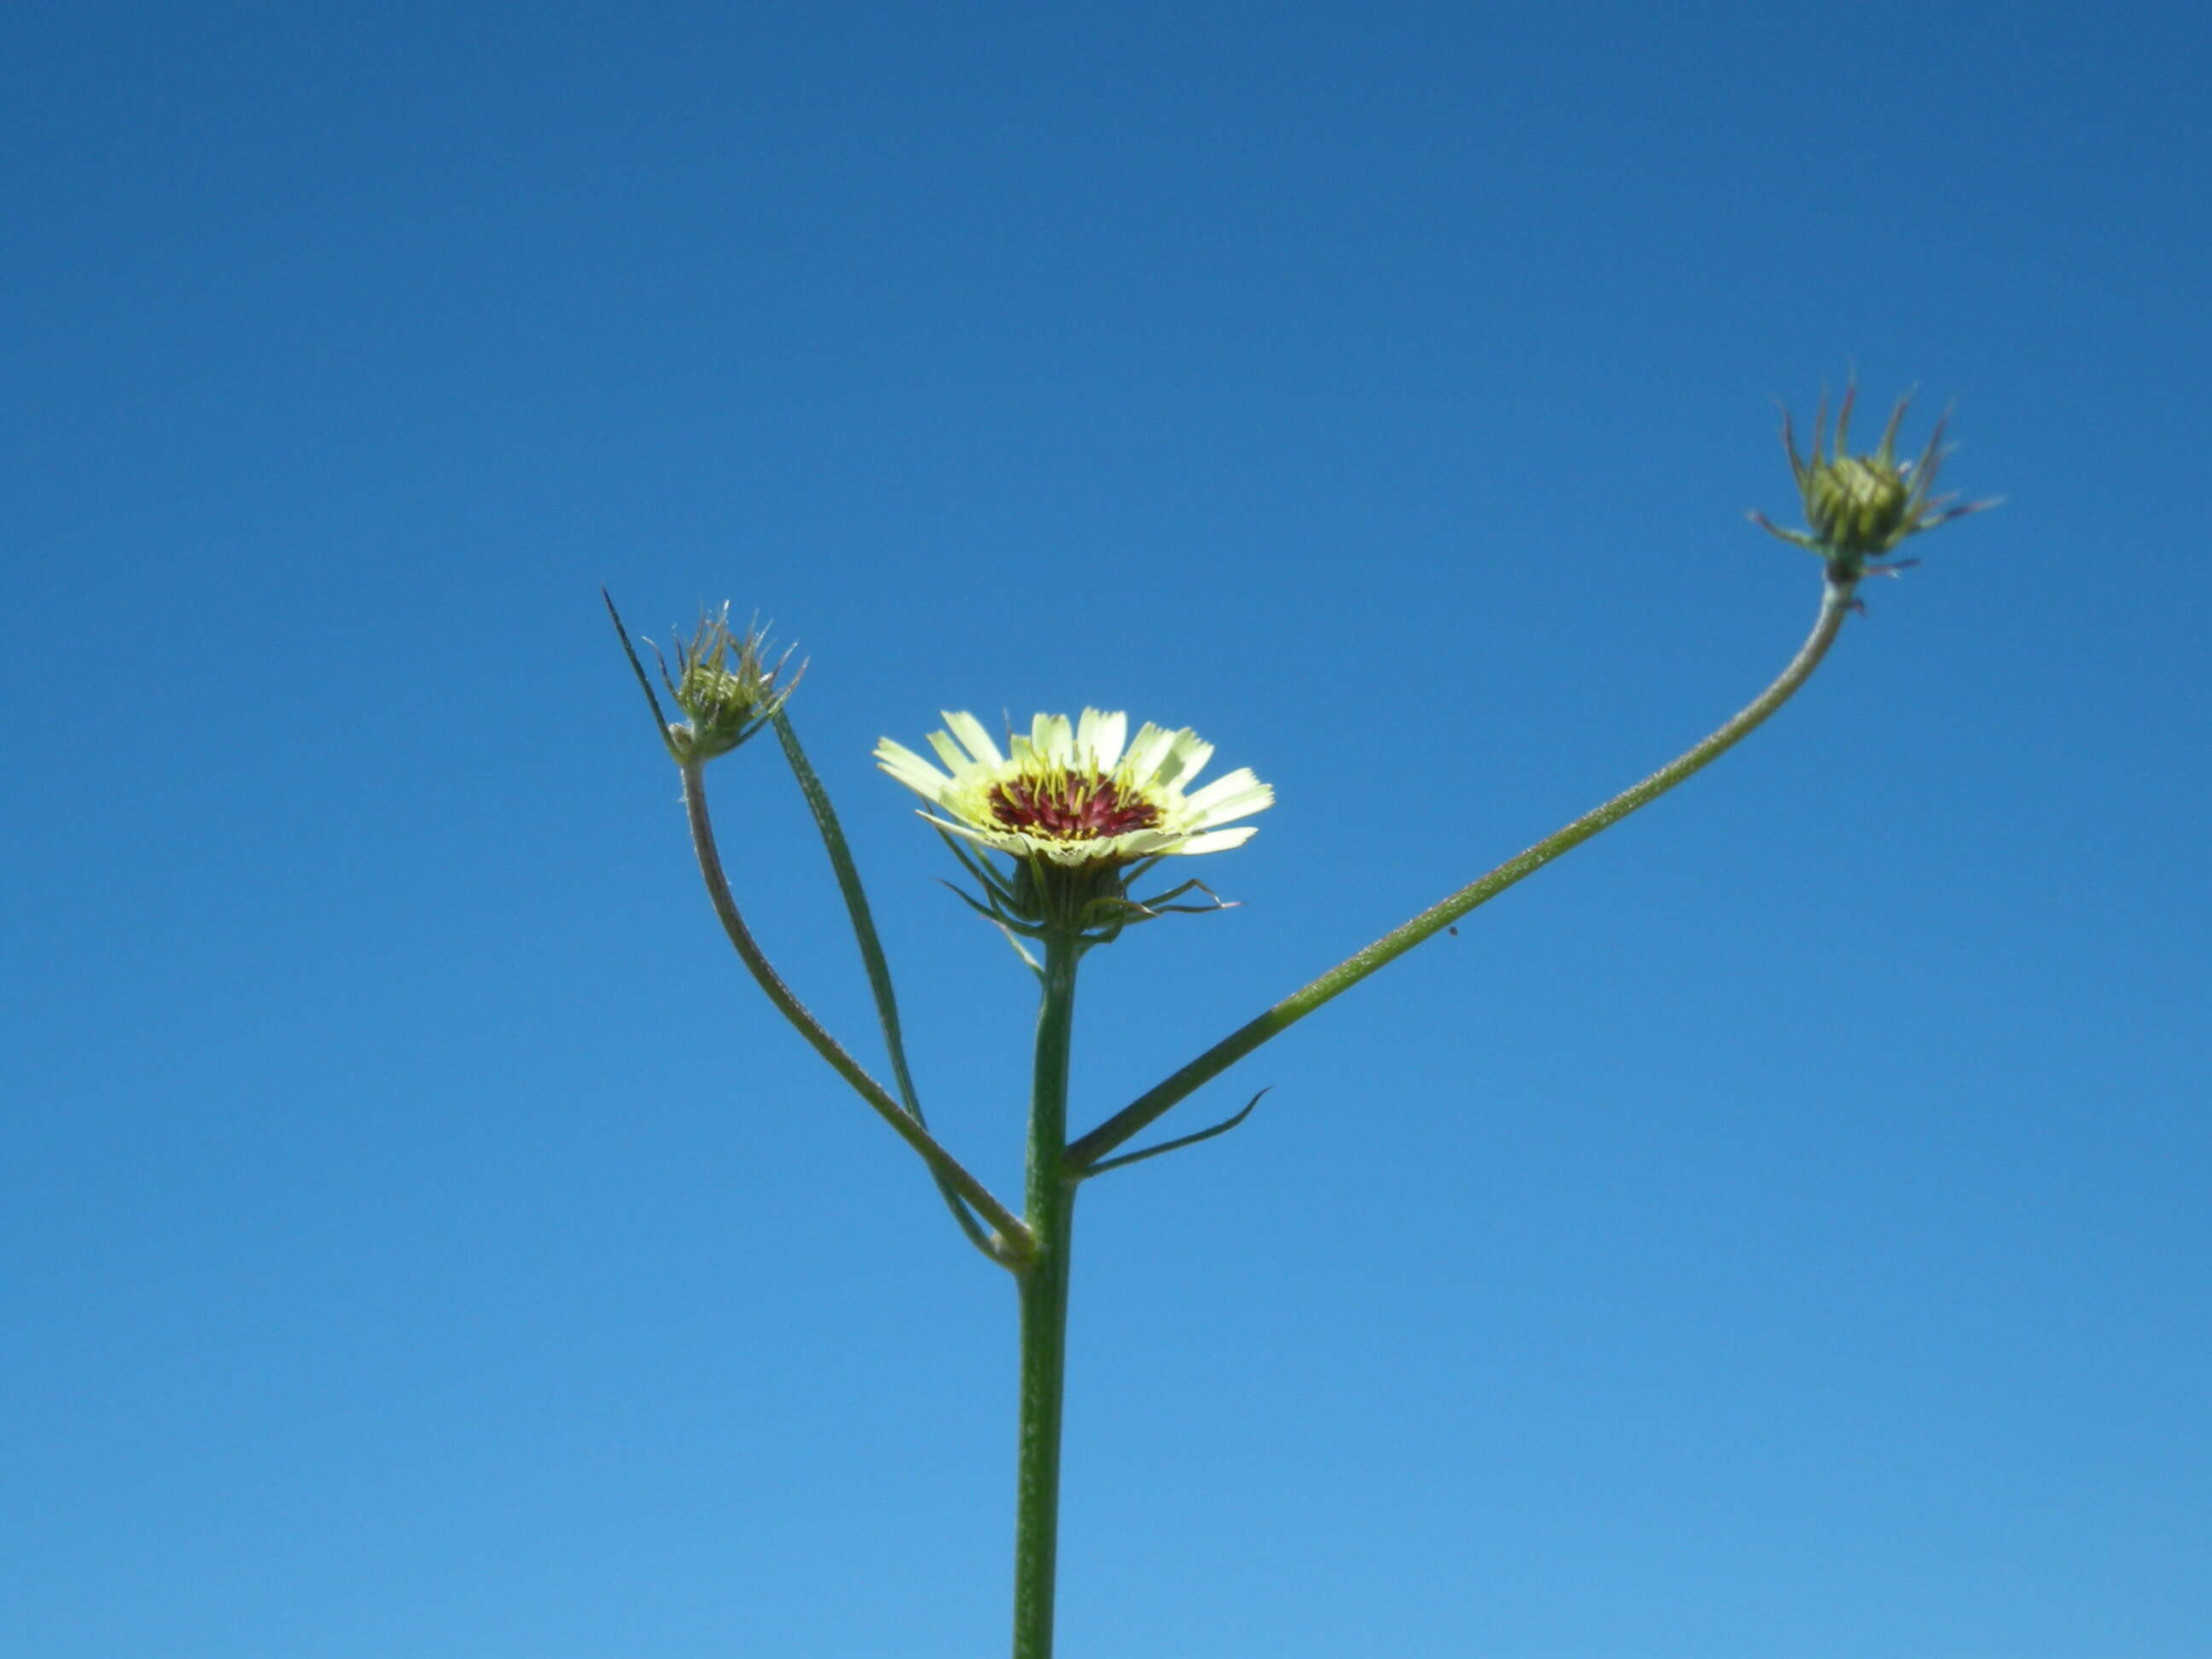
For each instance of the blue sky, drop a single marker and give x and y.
(1777, 1229)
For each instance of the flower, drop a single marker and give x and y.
(1080, 795)
(1859, 507)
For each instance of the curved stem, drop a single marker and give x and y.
(1013, 1241)
(1051, 1202)
(1133, 1119)
(872, 956)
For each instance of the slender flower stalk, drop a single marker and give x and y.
(1858, 507)
(1013, 1238)
(1087, 1153)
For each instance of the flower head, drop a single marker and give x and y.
(1859, 507)
(726, 684)
(1079, 793)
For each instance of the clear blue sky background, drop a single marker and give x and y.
(1780, 1229)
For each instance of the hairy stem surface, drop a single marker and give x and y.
(1043, 1279)
(1133, 1119)
(1012, 1236)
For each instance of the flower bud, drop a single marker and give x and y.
(726, 684)
(1860, 507)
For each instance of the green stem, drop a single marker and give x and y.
(1133, 1119)
(872, 957)
(1043, 1279)
(1012, 1236)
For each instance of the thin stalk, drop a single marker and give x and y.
(1012, 1236)
(1133, 1119)
(872, 957)
(1043, 1279)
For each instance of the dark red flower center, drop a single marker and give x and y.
(1071, 806)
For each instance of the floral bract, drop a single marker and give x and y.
(1859, 507)
(1079, 793)
(726, 683)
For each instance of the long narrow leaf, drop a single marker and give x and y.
(872, 951)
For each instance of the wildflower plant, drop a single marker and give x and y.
(1066, 830)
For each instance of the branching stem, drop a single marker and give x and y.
(1013, 1240)
(1140, 1113)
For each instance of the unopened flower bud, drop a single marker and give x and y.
(1860, 507)
(726, 685)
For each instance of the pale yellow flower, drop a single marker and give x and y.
(1079, 792)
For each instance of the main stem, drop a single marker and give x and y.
(1043, 1281)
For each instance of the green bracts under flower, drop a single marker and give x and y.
(1860, 507)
